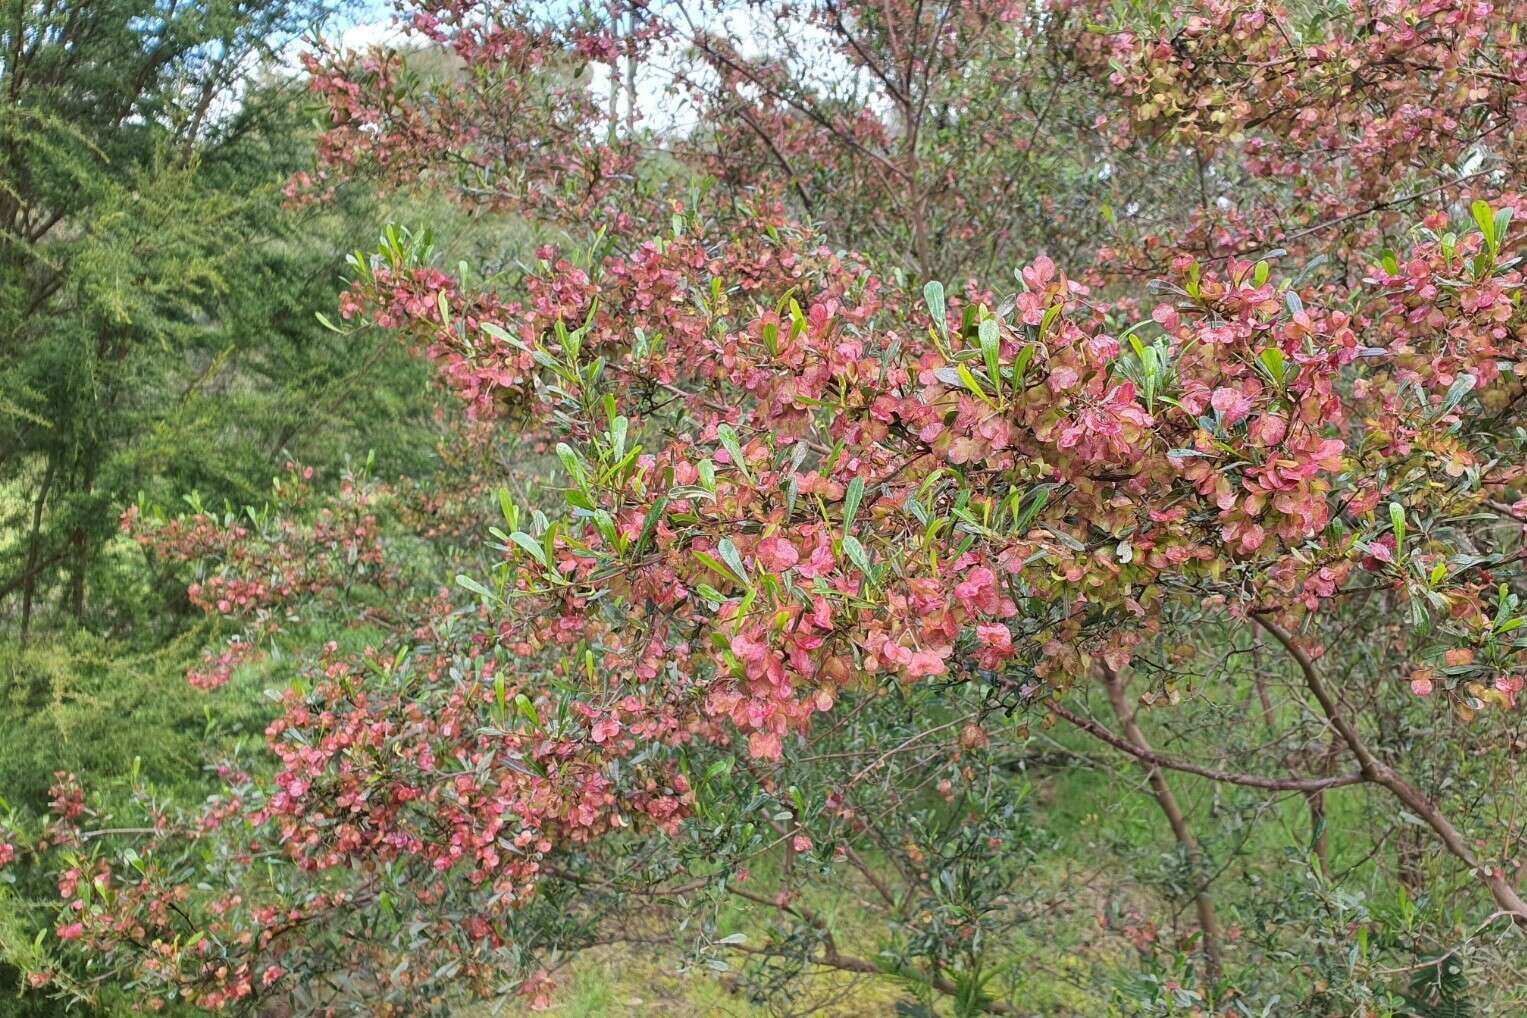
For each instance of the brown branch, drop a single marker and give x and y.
(1379, 206)
(779, 157)
(1505, 510)
(1208, 921)
(811, 113)
(880, 886)
(1150, 756)
(1380, 773)
(16, 581)
(876, 764)
(105, 831)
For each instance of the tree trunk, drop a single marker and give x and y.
(79, 543)
(1208, 922)
(631, 73)
(29, 583)
(1319, 843)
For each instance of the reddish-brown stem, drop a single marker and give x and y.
(1150, 756)
(1376, 771)
(1203, 902)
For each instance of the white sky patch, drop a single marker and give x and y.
(666, 109)
(662, 107)
(376, 33)
(381, 32)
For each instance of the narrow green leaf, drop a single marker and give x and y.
(605, 524)
(714, 565)
(1036, 503)
(502, 336)
(720, 767)
(531, 545)
(733, 447)
(1502, 224)
(527, 709)
(570, 462)
(990, 347)
(857, 555)
(508, 508)
(851, 500)
(1274, 363)
(969, 381)
(1484, 218)
(933, 295)
(650, 524)
(549, 546)
(728, 552)
(618, 429)
(1051, 313)
(1461, 387)
(463, 580)
(1021, 365)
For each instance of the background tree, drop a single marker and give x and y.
(156, 322)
